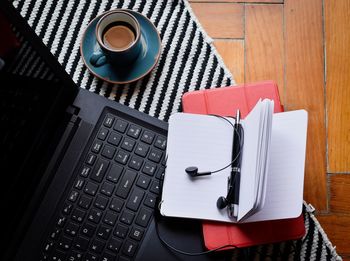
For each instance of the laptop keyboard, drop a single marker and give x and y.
(111, 202)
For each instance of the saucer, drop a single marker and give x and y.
(145, 62)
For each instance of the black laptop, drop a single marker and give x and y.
(81, 175)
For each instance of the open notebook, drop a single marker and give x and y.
(272, 173)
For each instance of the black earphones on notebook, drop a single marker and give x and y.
(233, 181)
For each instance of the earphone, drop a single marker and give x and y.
(192, 171)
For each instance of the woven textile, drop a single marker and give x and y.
(188, 62)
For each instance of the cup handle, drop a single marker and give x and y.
(98, 59)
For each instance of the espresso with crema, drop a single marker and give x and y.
(118, 36)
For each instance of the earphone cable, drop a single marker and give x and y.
(189, 253)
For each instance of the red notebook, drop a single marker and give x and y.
(225, 102)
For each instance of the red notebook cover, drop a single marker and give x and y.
(225, 102)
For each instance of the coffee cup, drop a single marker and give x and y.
(118, 35)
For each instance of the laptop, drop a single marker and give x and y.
(81, 175)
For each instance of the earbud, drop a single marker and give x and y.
(193, 172)
(221, 202)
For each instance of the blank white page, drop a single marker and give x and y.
(252, 136)
(285, 180)
(209, 147)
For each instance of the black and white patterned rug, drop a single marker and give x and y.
(188, 62)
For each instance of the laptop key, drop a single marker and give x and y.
(127, 217)
(114, 138)
(61, 221)
(120, 126)
(104, 232)
(88, 229)
(71, 229)
(150, 201)
(128, 144)
(155, 155)
(96, 146)
(143, 181)
(135, 199)
(160, 173)
(149, 168)
(78, 215)
(141, 149)
(67, 208)
(108, 121)
(84, 172)
(79, 183)
(114, 244)
(108, 152)
(48, 247)
(81, 243)
(126, 183)
(160, 142)
(99, 170)
(155, 187)
(101, 202)
(136, 233)
(136, 163)
(74, 256)
(58, 255)
(91, 159)
(129, 248)
(134, 131)
(73, 196)
(121, 231)
(102, 134)
(114, 173)
(107, 189)
(97, 245)
(107, 257)
(95, 215)
(90, 257)
(84, 202)
(116, 204)
(91, 188)
(143, 217)
(147, 137)
(55, 233)
(110, 218)
(122, 157)
(64, 243)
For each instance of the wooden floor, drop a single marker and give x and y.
(303, 45)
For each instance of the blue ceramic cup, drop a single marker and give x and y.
(118, 34)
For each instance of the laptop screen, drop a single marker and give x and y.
(32, 119)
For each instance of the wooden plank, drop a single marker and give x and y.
(232, 52)
(238, 1)
(339, 191)
(337, 25)
(264, 44)
(337, 228)
(304, 75)
(220, 20)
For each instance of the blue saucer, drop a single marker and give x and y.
(151, 46)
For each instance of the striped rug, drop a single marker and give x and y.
(188, 62)
(188, 59)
